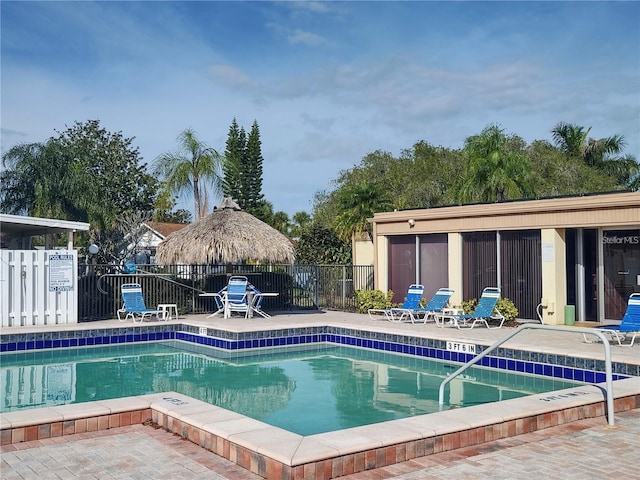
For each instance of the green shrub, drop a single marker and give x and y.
(366, 299)
(507, 308)
(468, 305)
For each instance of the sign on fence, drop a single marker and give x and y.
(38, 287)
(60, 273)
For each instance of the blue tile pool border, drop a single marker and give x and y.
(521, 361)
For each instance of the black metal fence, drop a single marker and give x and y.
(328, 287)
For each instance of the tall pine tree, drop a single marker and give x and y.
(252, 171)
(243, 169)
(234, 158)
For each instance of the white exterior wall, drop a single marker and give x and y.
(362, 252)
(39, 287)
(554, 284)
(456, 274)
(382, 263)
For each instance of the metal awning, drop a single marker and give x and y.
(19, 229)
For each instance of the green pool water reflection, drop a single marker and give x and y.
(306, 392)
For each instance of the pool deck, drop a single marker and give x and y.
(584, 449)
(402, 446)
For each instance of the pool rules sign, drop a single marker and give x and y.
(60, 273)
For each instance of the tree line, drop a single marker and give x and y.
(88, 174)
(493, 166)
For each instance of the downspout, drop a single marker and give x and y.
(417, 260)
(498, 261)
(579, 276)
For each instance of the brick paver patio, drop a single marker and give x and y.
(585, 449)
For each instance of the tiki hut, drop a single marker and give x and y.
(228, 235)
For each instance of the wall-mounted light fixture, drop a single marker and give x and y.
(411, 222)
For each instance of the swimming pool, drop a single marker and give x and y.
(276, 453)
(303, 390)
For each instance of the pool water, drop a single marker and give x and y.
(306, 392)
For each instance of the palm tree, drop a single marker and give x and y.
(599, 154)
(356, 203)
(299, 222)
(496, 170)
(280, 221)
(191, 170)
(39, 180)
(573, 140)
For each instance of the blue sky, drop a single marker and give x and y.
(327, 82)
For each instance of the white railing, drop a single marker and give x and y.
(526, 326)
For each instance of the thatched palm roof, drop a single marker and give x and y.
(228, 235)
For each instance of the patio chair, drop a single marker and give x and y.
(629, 326)
(255, 298)
(134, 306)
(235, 295)
(406, 311)
(484, 312)
(218, 298)
(238, 296)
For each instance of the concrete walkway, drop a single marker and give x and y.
(584, 449)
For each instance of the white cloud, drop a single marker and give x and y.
(317, 7)
(320, 110)
(231, 75)
(305, 38)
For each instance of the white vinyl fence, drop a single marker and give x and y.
(38, 287)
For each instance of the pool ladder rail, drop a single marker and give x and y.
(528, 326)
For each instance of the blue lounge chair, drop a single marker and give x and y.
(439, 301)
(484, 312)
(397, 314)
(629, 326)
(134, 306)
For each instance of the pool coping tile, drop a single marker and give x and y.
(234, 427)
(91, 409)
(206, 419)
(124, 404)
(311, 449)
(439, 423)
(276, 443)
(36, 416)
(349, 440)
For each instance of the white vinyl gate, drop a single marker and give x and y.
(38, 287)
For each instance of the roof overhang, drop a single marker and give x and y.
(588, 211)
(19, 226)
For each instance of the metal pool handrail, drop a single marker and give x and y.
(527, 326)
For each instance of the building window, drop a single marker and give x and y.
(429, 267)
(621, 249)
(402, 265)
(518, 274)
(434, 262)
(521, 270)
(479, 263)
